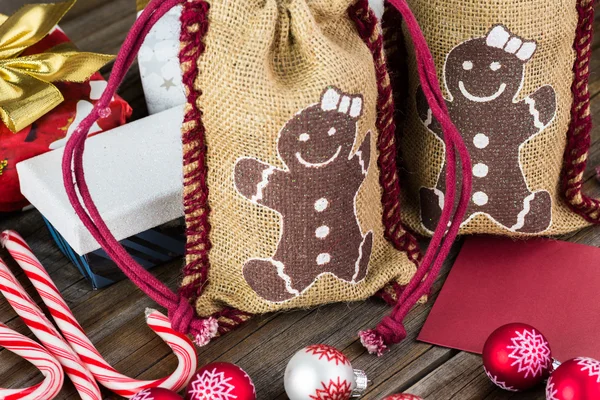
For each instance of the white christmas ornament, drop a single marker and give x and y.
(321, 372)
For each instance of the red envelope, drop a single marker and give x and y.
(551, 285)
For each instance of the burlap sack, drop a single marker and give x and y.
(507, 67)
(291, 187)
(288, 93)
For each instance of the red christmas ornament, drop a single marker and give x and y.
(403, 396)
(517, 357)
(156, 394)
(576, 379)
(220, 381)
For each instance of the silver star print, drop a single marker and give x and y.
(153, 66)
(152, 40)
(167, 84)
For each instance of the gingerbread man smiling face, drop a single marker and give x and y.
(482, 70)
(484, 77)
(321, 136)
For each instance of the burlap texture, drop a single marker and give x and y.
(446, 24)
(265, 61)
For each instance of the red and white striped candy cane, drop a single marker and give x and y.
(47, 334)
(38, 356)
(106, 375)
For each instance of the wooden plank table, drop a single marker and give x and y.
(113, 317)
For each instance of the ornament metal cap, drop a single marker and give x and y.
(360, 377)
(555, 364)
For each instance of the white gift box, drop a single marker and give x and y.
(377, 6)
(134, 174)
(159, 61)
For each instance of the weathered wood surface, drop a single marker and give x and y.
(113, 317)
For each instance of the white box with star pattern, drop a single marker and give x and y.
(159, 64)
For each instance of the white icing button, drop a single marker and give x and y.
(304, 137)
(480, 170)
(481, 141)
(468, 65)
(321, 204)
(480, 198)
(323, 258)
(332, 131)
(322, 232)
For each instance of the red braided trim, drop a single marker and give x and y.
(390, 293)
(194, 26)
(578, 136)
(367, 26)
(396, 54)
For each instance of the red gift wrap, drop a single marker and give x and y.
(50, 131)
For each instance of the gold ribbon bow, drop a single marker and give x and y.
(26, 89)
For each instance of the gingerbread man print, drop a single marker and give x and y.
(315, 195)
(484, 77)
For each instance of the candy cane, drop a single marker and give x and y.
(43, 329)
(76, 337)
(38, 356)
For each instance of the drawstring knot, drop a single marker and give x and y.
(391, 329)
(373, 342)
(183, 320)
(181, 316)
(204, 330)
(388, 331)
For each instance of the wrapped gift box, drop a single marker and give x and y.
(158, 60)
(53, 129)
(135, 177)
(377, 6)
(149, 248)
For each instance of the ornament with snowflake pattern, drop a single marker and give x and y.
(530, 352)
(576, 379)
(156, 394)
(328, 353)
(551, 391)
(517, 357)
(403, 396)
(497, 382)
(333, 390)
(220, 381)
(321, 372)
(591, 366)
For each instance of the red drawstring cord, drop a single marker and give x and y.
(181, 313)
(391, 329)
